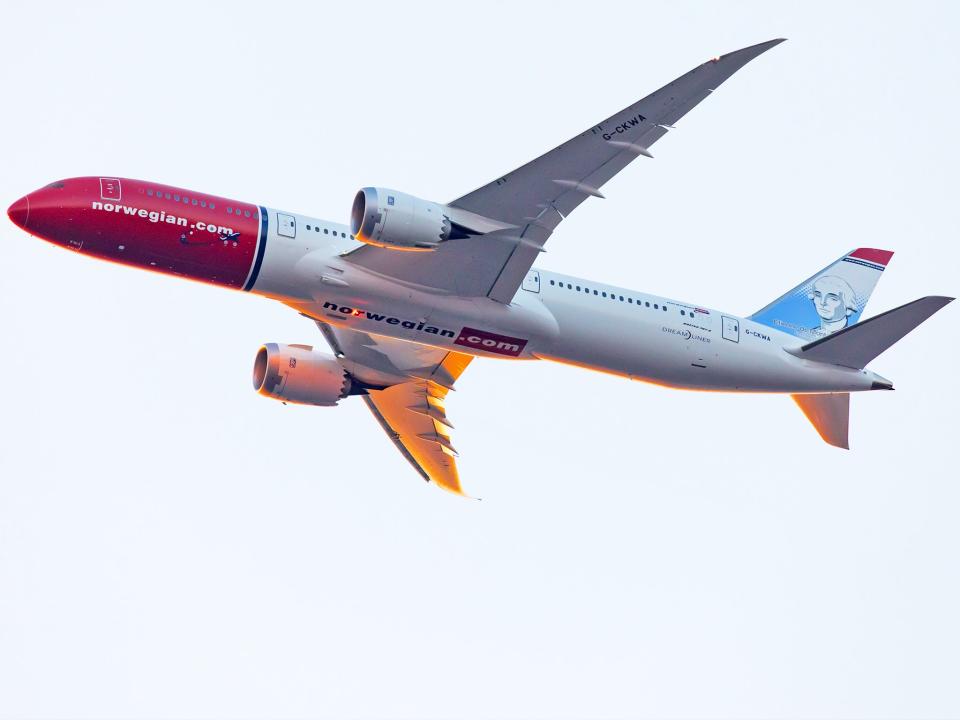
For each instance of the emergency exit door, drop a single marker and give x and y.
(731, 329)
(531, 283)
(286, 225)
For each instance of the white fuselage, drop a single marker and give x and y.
(552, 317)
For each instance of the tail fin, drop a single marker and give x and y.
(831, 300)
(856, 346)
(829, 414)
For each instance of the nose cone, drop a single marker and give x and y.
(19, 212)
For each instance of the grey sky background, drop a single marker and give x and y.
(174, 545)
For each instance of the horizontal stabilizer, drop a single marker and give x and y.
(858, 344)
(829, 414)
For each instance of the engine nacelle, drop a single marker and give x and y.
(395, 220)
(297, 374)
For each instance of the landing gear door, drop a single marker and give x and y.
(531, 283)
(286, 225)
(731, 329)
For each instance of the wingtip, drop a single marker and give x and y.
(752, 50)
(458, 491)
(770, 43)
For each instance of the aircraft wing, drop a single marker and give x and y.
(533, 199)
(406, 389)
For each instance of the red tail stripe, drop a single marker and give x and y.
(880, 257)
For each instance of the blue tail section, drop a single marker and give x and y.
(829, 301)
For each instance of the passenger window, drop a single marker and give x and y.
(326, 232)
(166, 196)
(308, 227)
(149, 193)
(604, 294)
(246, 213)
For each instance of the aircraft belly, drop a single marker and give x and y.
(617, 341)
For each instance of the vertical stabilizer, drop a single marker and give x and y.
(829, 414)
(831, 300)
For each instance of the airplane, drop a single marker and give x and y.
(413, 290)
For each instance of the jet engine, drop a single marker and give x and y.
(395, 220)
(297, 374)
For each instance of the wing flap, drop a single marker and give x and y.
(422, 439)
(406, 389)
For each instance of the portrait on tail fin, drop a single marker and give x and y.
(835, 301)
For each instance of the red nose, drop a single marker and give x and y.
(19, 212)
